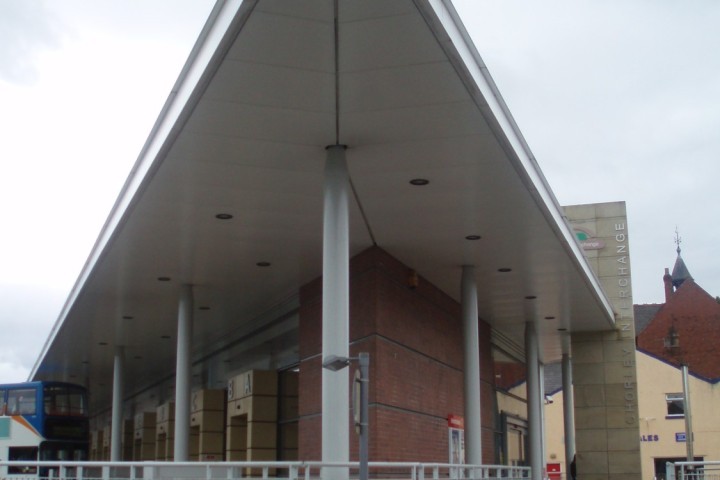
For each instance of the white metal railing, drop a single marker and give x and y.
(692, 470)
(265, 470)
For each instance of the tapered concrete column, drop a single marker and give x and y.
(534, 402)
(568, 410)
(335, 311)
(471, 344)
(117, 405)
(183, 374)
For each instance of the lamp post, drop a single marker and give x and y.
(335, 363)
(688, 414)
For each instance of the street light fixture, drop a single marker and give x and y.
(335, 363)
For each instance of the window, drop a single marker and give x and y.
(64, 401)
(21, 401)
(23, 453)
(672, 340)
(675, 405)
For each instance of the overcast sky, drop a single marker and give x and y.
(618, 100)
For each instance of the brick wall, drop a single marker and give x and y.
(695, 315)
(414, 337)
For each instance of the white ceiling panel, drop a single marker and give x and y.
(273, 86)
(387, 42)
(287, 41)
(400, 87)
(275, 124)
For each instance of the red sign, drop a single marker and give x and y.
(456, 421)
(554, 472)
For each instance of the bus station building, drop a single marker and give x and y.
(334, 177)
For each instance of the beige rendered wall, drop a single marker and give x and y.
(555, 432)
(604, 372)
(657, 433)
(515, 403)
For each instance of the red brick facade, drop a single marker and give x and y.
(509, 375)
(414, 337)
(695, 317)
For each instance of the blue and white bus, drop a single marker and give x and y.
(42, 421)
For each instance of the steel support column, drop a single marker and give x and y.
(534, 402)
(568, 411)
(117, 405)
(183, 375)
(335, 311)
(473, 435)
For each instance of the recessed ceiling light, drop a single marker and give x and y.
(562, 329)
(530, 297)
(473, 237)
(504, 270)
(549, 317)
(163, 279)
(128, 317)
(263, 264)
(419, 182)
(204, 307)
(223, 216)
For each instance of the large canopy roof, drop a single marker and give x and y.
(267, 87)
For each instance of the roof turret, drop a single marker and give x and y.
(680, 272)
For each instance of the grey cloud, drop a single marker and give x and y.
(25, 322)
(27, 28)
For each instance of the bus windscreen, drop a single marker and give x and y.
(64, 400)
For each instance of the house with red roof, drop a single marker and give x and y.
(683, 331)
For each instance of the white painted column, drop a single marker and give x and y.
(568, 410)
(473, 435)
(335, 311)
(117, 405)
(183, 375)
(534, 399)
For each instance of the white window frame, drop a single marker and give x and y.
(671, 398)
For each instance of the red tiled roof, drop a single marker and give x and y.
(695, 317)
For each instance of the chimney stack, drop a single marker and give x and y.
(667, 279)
